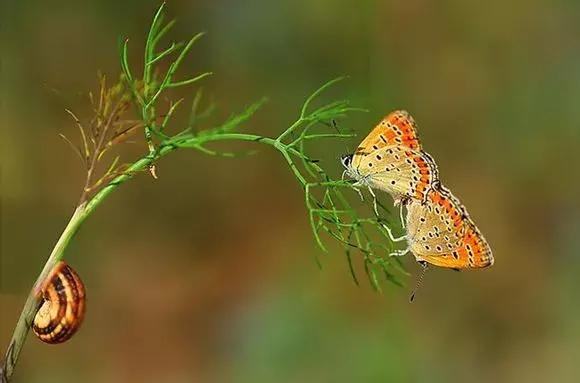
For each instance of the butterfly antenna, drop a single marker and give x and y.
(335, 126)
(419, 280)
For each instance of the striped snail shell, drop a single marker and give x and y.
(63, 307)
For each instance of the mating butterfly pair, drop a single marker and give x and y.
(439, 230)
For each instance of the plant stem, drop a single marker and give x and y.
(35, 297)
(83, 211)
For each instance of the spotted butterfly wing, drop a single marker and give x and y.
(441, 232)
(474, 253)
(437, 226)
(399, 171)
(390, 159)
(397, 128)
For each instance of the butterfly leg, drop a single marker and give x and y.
(362, 198)
(392, 237)
(375, 205)
(402, 201)
(399, 253)
(401, 216)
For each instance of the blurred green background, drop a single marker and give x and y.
(208, 274)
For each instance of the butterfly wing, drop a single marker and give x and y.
(398, 170)
(442, 233)
(473, 253)
(435, 227)
(398, 128)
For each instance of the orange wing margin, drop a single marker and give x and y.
(474, 253)
(398, 128)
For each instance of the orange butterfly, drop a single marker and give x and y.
(439, 229)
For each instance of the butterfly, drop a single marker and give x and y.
(441, 232)
(391, 159)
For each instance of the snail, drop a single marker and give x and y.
(63, 307)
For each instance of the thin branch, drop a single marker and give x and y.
(329, 211)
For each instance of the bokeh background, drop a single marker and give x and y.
(209, 275)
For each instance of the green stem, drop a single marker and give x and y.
(292, 127)
(83, 211)
(35, 297)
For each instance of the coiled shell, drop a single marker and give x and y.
(63, 309)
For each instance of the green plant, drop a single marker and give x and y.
(328, 207)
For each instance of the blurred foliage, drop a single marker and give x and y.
(494, 88)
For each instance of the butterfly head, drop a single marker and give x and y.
(346, 160)
(350, 171)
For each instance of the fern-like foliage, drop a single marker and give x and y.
(327, 200)
(331, 213)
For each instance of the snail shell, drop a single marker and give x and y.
(63, 308)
